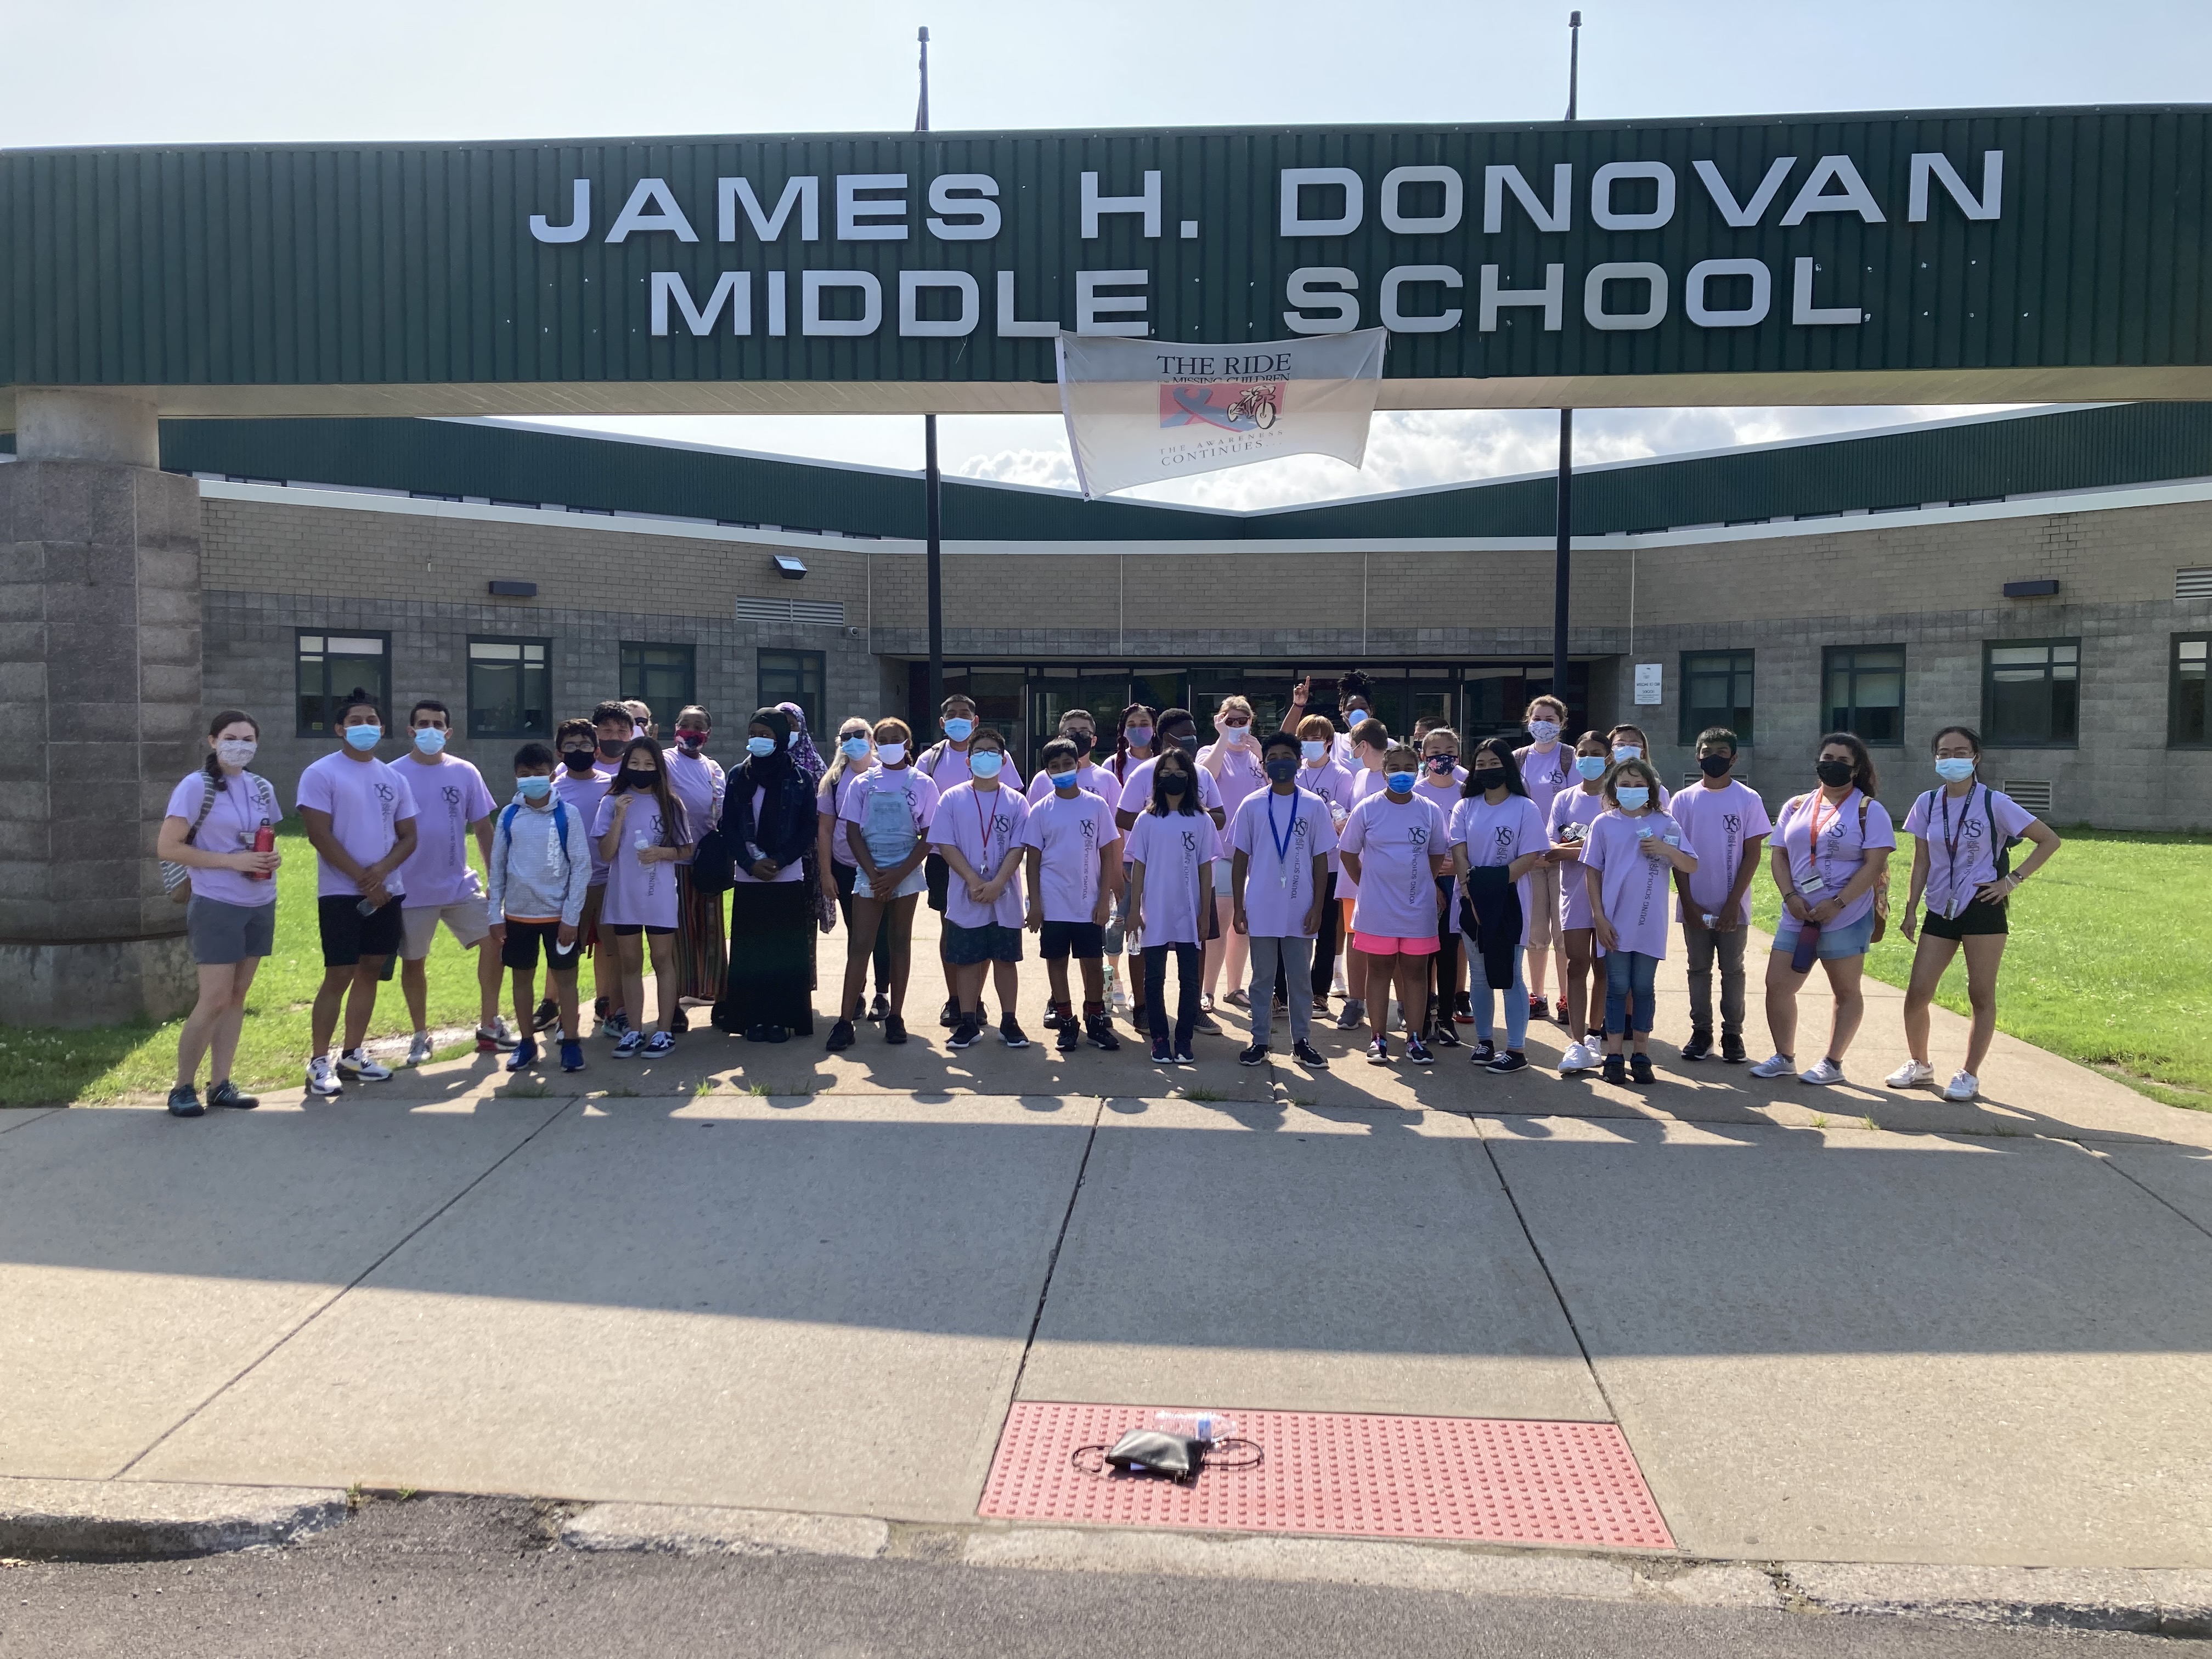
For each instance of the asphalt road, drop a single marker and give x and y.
(479, 1578)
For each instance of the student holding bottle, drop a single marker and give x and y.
(1573, 812)
(1547, 766)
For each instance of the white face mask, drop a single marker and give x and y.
(891, 753)
(1544, 731)
(236, 751)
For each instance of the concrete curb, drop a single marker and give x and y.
(2158, 1601)
(694, 1530)
(141, 1520)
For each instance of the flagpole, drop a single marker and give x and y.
(933, 486)
(1563, 516)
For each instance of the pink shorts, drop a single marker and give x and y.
(1382, 945)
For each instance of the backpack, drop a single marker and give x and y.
(2002, 866)
(176, 879)
(559, 828)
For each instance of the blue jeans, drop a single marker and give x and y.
(1626, 971)
(1517, 1001)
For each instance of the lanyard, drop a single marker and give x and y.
(1951, 841)
(1812, 846)
(1283, 840)
(983, 826)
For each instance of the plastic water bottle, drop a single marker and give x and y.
(1195, 1425)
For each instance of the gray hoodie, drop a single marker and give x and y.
(533, 872)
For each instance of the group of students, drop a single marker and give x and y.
(1303, 861)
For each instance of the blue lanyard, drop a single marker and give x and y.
(1282, 840)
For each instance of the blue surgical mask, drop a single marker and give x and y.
(1954, 771)
(429, 739)
(959, 730)
(854, 748)
(534, 788)
(1633, 796)
(1312, 748)
(1399, 782)
(1064, 782)
(1622, 752)
(759, 747)
(364, 738)
(985, 763)
(1590, 766)
(1139, 736)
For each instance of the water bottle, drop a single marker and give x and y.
(1195, 1425)
(264, 840)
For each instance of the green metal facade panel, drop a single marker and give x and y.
(2066, 449)
(390, 265)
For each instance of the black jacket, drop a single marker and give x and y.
(787, 829)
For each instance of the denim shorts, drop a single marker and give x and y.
(1835, 942)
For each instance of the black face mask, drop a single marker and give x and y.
(1282, 768)
(613, 749)
(1714, 766)
(634, 779)
(1188, 744)
(1834, 774)
(1175, 784)
(1084, 741)
(577, 760)
(1489, 777)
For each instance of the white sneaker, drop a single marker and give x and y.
(1963, 1087)
(419, 1050)
(355, 1064)
(321, 1078)
(1913, 1075)
(1827, 1071)
(499, 1033)
(632, 1045)
(1774, 1066)
(1579, 1057)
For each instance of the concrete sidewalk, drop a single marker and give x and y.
(1968, 1334)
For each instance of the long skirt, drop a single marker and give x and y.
(701, 955)
(769, 982)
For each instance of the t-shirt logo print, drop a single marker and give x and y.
(387, 799)
(1505, 835)
(1418, 835)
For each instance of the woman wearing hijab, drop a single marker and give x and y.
(768, 827)
(803, 751)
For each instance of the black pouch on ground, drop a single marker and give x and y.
(1147, 1452)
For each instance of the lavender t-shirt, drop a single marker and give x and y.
(1842, 850)
(829, 803)
(449, 796)
(1332, 783)
(638, 894)
(697, 782)
(1279, 884)
(1573, 806)
(1137, 790)
(984, 825)
(945, 766)
(240, 809)
(1396, 842)
(1241, 774)
(1173, 849)
(1633, 888)
(1962, 854)
(366, 800)
(1546, 775)
(1089, 780)
(1073, 835)
(1499, 833)
(582, 796)
(1720, 821)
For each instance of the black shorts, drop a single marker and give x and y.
(347, 935)
(520, 950)
(1084, 941)
(632, 929)
(964, 947)
(1977, 918)
(939, 875)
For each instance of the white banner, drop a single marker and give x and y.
(1141, 411)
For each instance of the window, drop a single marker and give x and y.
(1715, 691)
(335, 666)
(2187, 723)
(1865, 691)
(794, 677)
(2031, 693)
(663, 677)
(510, 688)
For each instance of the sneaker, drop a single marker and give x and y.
(1100, 1030)
(1913, 1075)
(1351, 1017)
(1117, 1001)
(1639, 1069)
(1700, 1047)
(227, 1094)
(879, 1009)
(631, 1043)
(679, 1022)
(1463, 1008)
(1183, 1057)
(949, 1013)
(1253, 1054)
(524, 1055)
(501, 1033)
(1963, 1087)
(614, 1027)
(548, 1011)
(1827, 1071)
(1559, 1010)
(965, 1033)
(418, 1048)
(1378, 1052)
(1616, 1070)
(1732, 1050)
(1206, 1002)
(1238, 999)
(572, 1055)
(322, 1079)
(1320, 1005)
(1536, 1008)
(356, 1064)
(1444, 1037)
(1306, 1054)
(1070, 1036)
(660, 1042)
(1484, 1052)
(893, 1028)
(1010, 1032)
(1140, 1017)
(1579, 1057)
(1162, 1054)
(1774, 1066)
(1511, 1060)
(1051, 1017)
(1205, 1022)
(842, 1036)
(1417, 1052)
(186, 1103)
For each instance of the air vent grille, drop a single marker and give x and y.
(2193, 584)
(2033, 794)
(824, 612)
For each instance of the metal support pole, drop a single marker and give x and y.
(1563, 515)
(934, 488)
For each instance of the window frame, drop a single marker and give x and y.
(665, 716)
(1688, 725)
(302, 729)
(1991, 735)
(2173, 738)
(474, 732)
(820, 660)
(1828, 656)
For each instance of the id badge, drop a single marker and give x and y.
(1812, 883)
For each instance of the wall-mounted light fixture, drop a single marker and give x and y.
(790, 568)
(2031, 590)
(513, 590)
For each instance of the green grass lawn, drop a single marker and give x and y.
(105, 1062)
(2106, 962)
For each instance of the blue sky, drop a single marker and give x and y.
(125, 71)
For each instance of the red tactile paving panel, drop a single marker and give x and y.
(1499, 1480)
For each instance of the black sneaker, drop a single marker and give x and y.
(548, 1011)
(1511, 1060)
(679, 1022)
(1536, 1011)
(186, 1103)
(1162, 1054)
(949, 1014)
(227, 1094)
(1639, 1069)
(1100, 1030)
(1069, 1037)
(1444, 1036)
(842, 1036)
(1700, 1047)
(1463, 1008)
(1253, 1054)
(1378, 1051)
(1011, 1033)
(1204, 1024)
(1732, 1050)
(1306, 1054)
(1615, 1069)
(965, 1033)
(1417, 1052)
(880, 1007)
(1051, 1017)
(893, 1028)
(598, 1008)
(1183, 1057)
(1140, 1017)
(1484, 1051)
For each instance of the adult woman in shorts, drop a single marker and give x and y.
(210, 828)
(833, 854)
(1962, 832)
